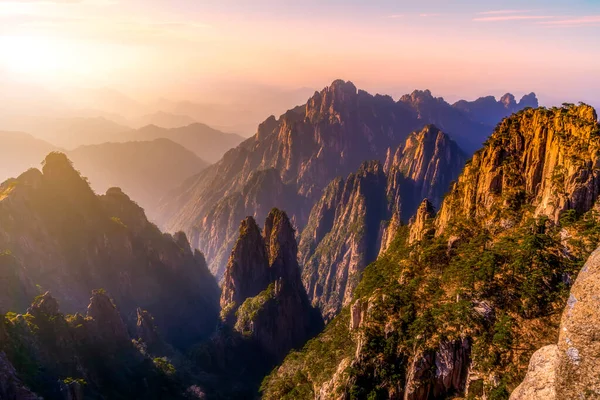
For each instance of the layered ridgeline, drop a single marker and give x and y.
(489, 111)
(306, 148)
(207, 143)
(459, 301)
(146, 171)
(47, 354)
(57, 235)
(356, 217)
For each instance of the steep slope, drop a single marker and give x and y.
(56, 234)
(349, 224)
(76, 357)
(489, 111)
(457, 304)
(571, 368)
(144, 170)
(20, 151)
(207, 143)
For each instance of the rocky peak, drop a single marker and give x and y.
(276, 311)
(282, 249)
(182, 241)
(431, 161)
(63, 178)
(529, 100)
(508, 100)
(119, 205)
(107, 321)
(146, 329)
(44, 304)
(418, 97)
(247, 272)
(335, 101)
(420, 224)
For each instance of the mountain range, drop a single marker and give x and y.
(290, 160)
(411, 249)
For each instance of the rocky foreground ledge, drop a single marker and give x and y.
(571, 368)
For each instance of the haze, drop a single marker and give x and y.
(249, 59)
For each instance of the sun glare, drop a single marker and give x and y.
(34, 55)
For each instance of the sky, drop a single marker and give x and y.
(190, 49)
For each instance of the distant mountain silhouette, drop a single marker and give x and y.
(68, 132)
(490, 111)
(208, 143)
(164, 120)
(145, 170)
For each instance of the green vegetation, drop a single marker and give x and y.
(314, 364)
(251, 307)
(163, 364)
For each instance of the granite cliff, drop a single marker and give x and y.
(354, 218)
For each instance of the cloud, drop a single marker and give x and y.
(586, 20)
(500, 12)
(395, 16)
(513, 18)
(429, 15)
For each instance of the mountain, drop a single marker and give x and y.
(309, 146)
(20, 151)
(459, 301)
(144, 170)
(57, 235)
(207, 143)
(262, 295)
(490, 111)
(264, 310)
(66, 132)
(347, 226)
(164, 120)
(570, 368)
(467, 133)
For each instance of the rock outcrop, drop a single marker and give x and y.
(58, 235)
(357, 218)
(421, 223)
(546, 158)
(263, 297)
(570, 369)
